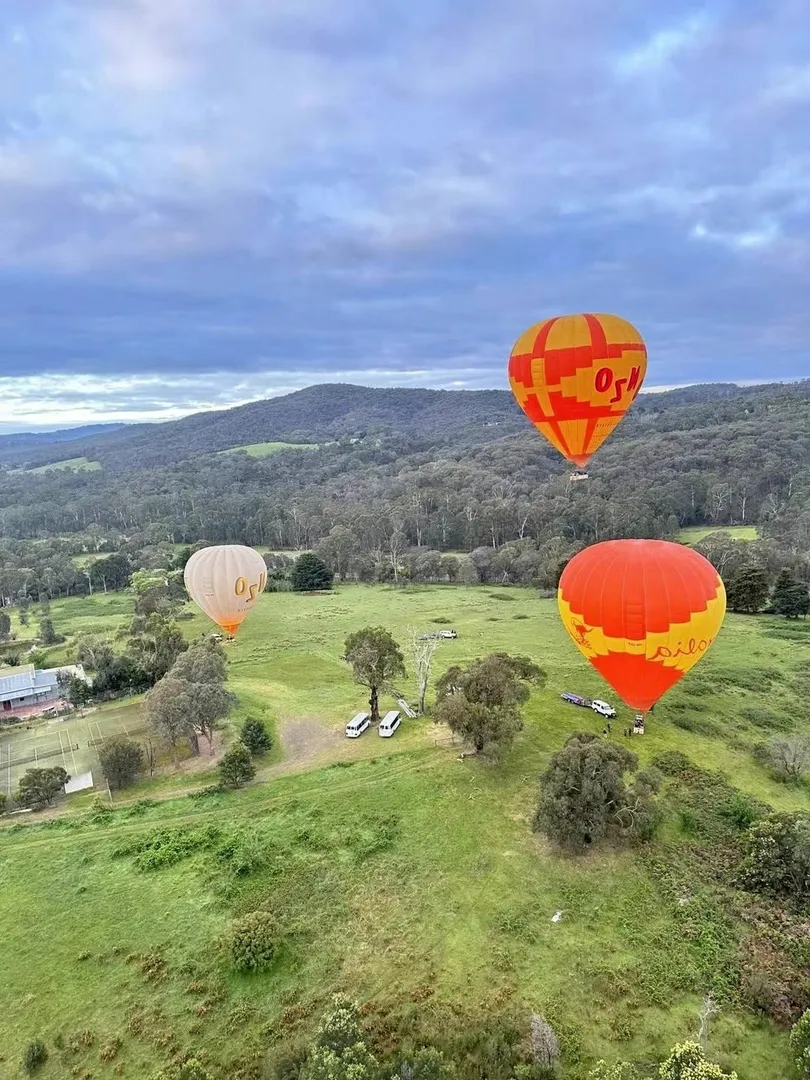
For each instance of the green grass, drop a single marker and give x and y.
(695, 533)
(395, 869)
(265, 449)
(79, 464)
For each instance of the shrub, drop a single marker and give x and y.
(672, 763)
(800, 1045)
(3, 801)
(252, 941)
(36, 1054)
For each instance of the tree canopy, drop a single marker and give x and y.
(375, 659)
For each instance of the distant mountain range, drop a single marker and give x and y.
(331, 412)
(25, 440)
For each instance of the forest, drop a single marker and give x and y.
(429, 475)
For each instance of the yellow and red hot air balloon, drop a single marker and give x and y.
(643, 612)
(225, 581)
(575, 376)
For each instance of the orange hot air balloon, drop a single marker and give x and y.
(643, 612)
(575, 376)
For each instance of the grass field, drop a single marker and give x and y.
(694, 534)
(265, 449)
(80, 464)
(397, 872)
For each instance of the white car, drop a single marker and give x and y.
(603, 709)
(448, 634)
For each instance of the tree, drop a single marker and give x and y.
(545, 1044)
(482, 704)
(789, 757)
(375, 659)
(167, 715)
(311, 574)
(800, 1045)
(236, 767)
(688, 1062)
(254, 736)
(203, 662)
(39, 787)
(421, 649)
(154, 643)
(47, 633)
(121, 760)
(94, 651)
(747, 590)
(425, 1064)
(3, 801)
(77, 692)
(776, 856)
(5, 626)
(790, 596)
(178, 709)
(340, 1051)
(584, 798)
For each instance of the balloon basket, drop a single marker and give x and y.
(578, 475)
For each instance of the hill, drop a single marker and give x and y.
(26, 441)
(389, 470)
(332, 412)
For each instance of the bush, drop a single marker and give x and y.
(254, 736)
(800, 1045)
(36, 1054)
(3, 801)
(252, 941)
(672, 763)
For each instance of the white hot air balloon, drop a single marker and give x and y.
(225, 582)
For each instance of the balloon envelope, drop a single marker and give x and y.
(643, 612)
(225, 582)
(575, 376)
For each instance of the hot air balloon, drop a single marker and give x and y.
(575, 376)
(643, 612)
(225, 582)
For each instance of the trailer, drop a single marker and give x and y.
(575, 699)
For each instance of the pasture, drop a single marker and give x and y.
(397, 873)
(693, 534)
(265, 449)
(77, 464)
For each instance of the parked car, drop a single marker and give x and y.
(603, 708)
(357, 725)
(389, 724)
(448, 634)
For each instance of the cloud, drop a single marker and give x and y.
(199, 192)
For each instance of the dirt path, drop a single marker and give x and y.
(306, 743)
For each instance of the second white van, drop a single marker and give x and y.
(357, 725)
(389, 723)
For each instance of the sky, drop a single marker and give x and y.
(205, 202)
